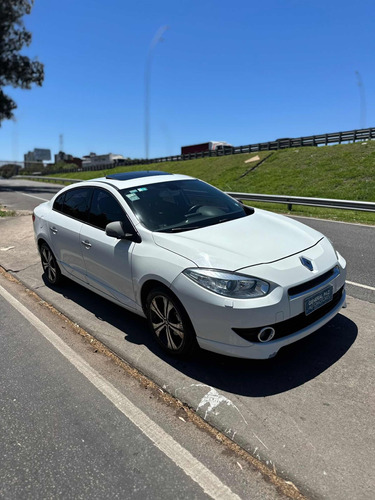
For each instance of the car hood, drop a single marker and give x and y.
(260, 238)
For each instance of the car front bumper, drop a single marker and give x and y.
(268, 350)
(222, 324)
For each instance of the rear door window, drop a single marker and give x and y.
(76, 203)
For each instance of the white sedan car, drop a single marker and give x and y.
(202, 267)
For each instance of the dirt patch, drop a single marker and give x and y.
(7, 212)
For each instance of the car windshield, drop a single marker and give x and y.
(181, 205)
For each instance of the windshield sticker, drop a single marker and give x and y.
(132, 197)
(134, 191)
(142, 189)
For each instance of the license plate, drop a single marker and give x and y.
(318, 300)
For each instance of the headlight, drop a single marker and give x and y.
(236, 286)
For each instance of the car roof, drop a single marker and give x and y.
(125, 176)
(126, 180)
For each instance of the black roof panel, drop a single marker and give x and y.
(126, 176)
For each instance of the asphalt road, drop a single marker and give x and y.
(356, 243)
(308, 413)
(74, 425)
(60, 437)
(21, 194)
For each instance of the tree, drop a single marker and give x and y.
(16, 69)
(7, 171)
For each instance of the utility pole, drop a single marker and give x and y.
(61, 142)
(362, 100)
(157, 38)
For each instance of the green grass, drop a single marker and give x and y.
(345, 171)
(6, 213)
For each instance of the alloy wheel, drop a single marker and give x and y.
(49, 264)
(167, 323)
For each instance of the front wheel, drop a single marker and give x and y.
(170, 323)
(50, 267)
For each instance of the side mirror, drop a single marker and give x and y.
(116, 230)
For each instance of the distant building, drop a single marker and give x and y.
(62, 157)
(30, 161)
(36, 157)
(95, 162)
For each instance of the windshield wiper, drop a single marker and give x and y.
(178, 229)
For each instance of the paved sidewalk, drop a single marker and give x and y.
(308, 413)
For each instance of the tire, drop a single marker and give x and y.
(170, 323)
(50, 267)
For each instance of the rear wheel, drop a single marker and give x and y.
(170, 323)
(50, 267)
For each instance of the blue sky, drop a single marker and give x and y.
(239, 71)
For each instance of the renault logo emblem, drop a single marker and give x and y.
(307, 263)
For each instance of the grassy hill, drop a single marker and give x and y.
(345, 171)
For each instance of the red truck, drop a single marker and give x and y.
(206, 146)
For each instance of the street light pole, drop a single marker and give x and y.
(363, 100)
(157, 38)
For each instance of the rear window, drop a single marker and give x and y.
(59, 203)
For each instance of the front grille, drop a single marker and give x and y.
(292, 325)
(305, 287)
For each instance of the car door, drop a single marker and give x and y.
(107, 259)
(70, 210)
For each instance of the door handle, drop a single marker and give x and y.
(86, 243)
(53, 229)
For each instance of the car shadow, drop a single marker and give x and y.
(294, 365)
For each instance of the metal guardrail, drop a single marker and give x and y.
(364, 206)
(44, 178)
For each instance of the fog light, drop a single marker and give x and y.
(266, 334)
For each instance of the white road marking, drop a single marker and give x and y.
(32, 196)
(330, 220)
(210, 483)
(362, 286)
